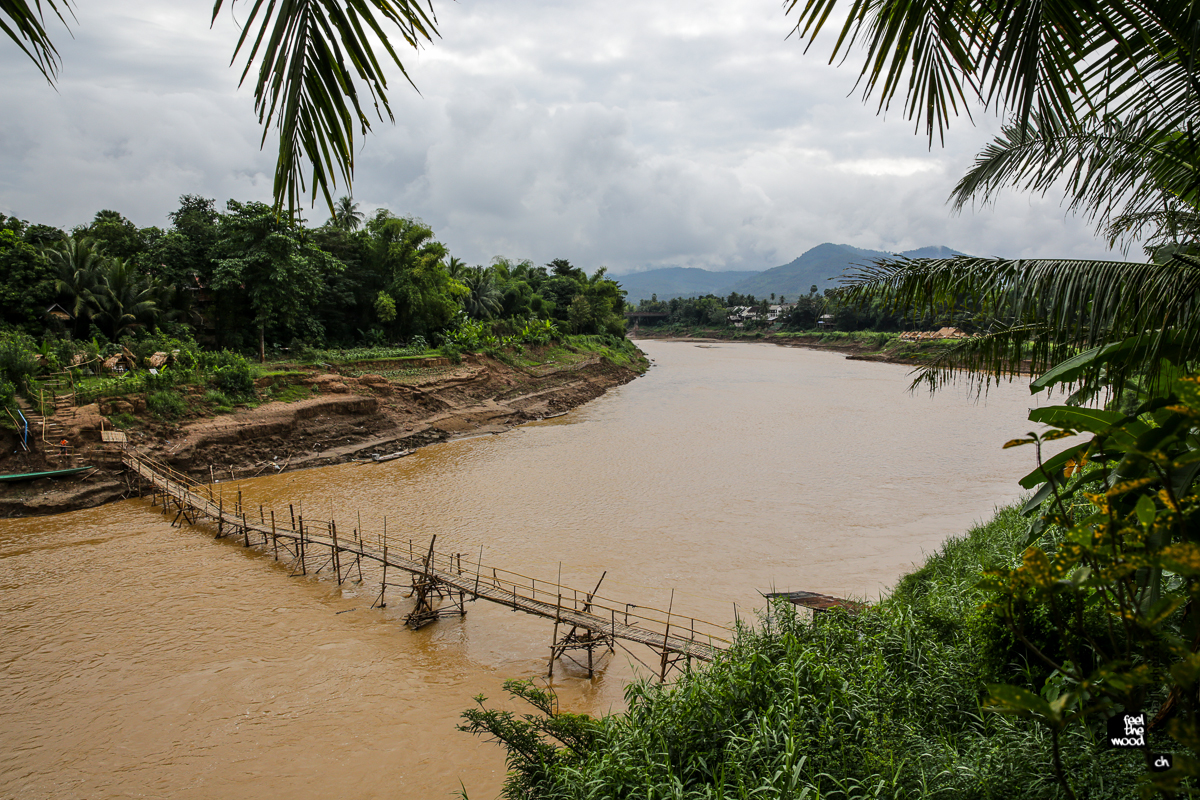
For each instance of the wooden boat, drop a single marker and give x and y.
(32, 476)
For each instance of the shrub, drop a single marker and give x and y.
(234, 378)
(166, 404)
(217, 398)
(123, 420)
(17, 360)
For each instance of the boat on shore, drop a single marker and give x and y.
(32, 476)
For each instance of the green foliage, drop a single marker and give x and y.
(217, 398)
(350, 355)
(265, 260)
(537, 743)
(18, 362)
(385, 307)
(123, 420)
(166, 404)
(8, 393)
(26, 283)
(883, 704)
(1115, 538)
(234, 378)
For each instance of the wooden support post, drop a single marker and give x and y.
(292, 509)
(462, 596)
(382, 603)
(303, 566)
(478, 567)
(245, 530)
(274, 536)
(335, 550)
(662, 676)
(358, 549)
(221, 517)
(557, 618)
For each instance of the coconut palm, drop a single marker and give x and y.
(77, 263)
(485, 299)
(456, 268)
(124, 299)
(346, 216)
(1102, 100)
(306, 55)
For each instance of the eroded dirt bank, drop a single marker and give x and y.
(352, 411)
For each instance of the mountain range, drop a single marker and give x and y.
(821, 267)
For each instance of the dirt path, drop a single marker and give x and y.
(352, 415)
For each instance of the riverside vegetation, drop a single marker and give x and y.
(217, 286)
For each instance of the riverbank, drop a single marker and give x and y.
(326, 414)
(857, 345)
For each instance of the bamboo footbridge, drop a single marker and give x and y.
(441, 583)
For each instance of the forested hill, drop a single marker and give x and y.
(820, 266)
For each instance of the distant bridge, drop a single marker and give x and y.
(441, 583)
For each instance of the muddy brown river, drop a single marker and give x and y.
(140, 660)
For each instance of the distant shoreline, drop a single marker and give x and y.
(858, 346)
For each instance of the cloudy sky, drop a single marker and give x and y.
(631, 133)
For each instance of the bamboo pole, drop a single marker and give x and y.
(383, 581)
(666, 633)
(557, 618)
(337, 561)
(274, 536)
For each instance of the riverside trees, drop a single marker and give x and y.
(246, 279)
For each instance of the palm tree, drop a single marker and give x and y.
(1103, 100)
(124, 299)
(457, 268)
(77, 264)
(307, 55)
(485, 299)
(346, 216)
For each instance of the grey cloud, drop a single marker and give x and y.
(628, 134)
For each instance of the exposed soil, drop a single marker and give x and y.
(354, 412)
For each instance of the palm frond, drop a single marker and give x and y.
(1052, 308)
(1000, 354)
(310, 52)
(24, 23)
(1060, 61)
(1108, 168)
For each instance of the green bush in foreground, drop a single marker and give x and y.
(884, 704)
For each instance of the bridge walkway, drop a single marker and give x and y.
(441, 582)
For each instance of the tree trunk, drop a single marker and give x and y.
(262, 345)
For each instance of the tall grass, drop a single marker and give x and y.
(883, 704)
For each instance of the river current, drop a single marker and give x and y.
(141, 660)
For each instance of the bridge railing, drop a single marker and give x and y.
(570, 598)
(473, 571)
